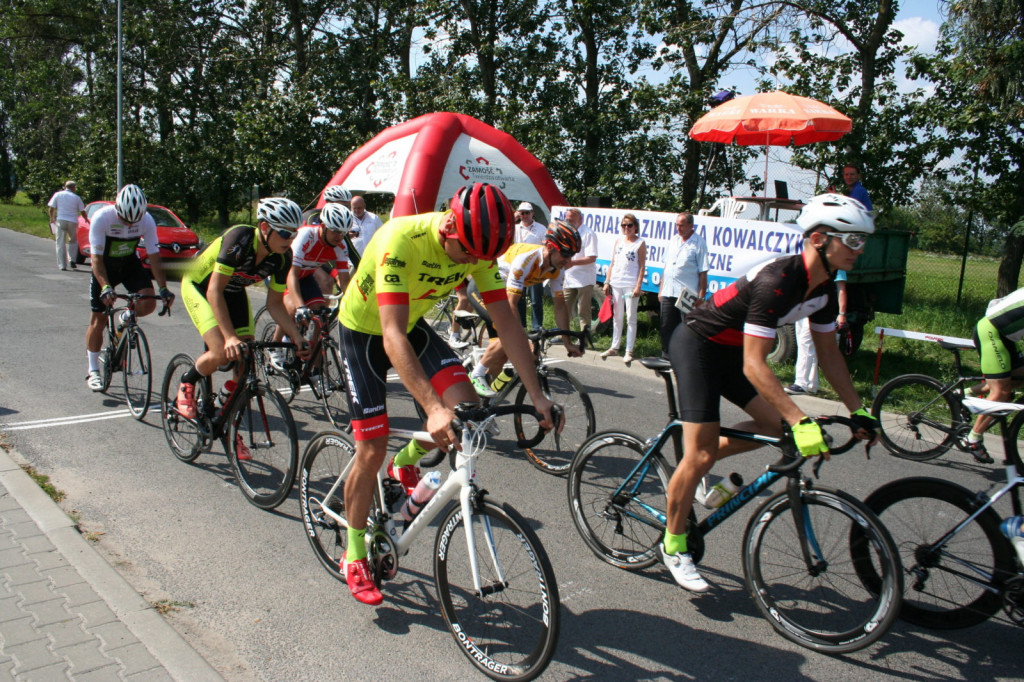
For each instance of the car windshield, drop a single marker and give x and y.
(91, 209)
(163, 217)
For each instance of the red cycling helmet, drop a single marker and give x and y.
(484, 221)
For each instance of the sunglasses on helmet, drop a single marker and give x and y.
(852, 240)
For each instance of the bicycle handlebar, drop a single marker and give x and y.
(792, 460)
(474, 412)
(583, 338)
(133, 298)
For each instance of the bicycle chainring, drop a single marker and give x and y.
(382, 555)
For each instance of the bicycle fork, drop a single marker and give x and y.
(809, 546)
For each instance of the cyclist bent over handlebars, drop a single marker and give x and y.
(214, 290)
(410, 264)
(721, 350)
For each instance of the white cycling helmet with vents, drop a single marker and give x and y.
(280, 212)
(130, 204)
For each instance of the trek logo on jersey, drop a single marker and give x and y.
(441, 281)
(392, 262)
(431, 265)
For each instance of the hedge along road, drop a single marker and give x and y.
(253, 600)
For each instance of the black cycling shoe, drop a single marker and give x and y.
(977, 450)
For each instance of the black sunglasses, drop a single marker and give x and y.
(284, 233)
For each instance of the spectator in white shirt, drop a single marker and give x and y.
(686, 265)
(530, 232)
(580, 278)
(65, 207)
(366, 223)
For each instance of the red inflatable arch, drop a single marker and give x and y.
(423, 161)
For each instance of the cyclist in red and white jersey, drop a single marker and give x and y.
(312, 249)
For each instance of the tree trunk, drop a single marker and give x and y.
(1009, 266)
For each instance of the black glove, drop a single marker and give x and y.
(863, 419)
(166, 294)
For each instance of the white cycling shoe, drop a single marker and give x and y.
(683, 570)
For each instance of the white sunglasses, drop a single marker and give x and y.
(852, 240)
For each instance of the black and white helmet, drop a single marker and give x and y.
(336, 218)
(837, 212)
(336, 193)
(280, 212)
(130, 204)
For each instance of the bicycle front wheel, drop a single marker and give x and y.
(184, 436)
(956, 584)
(554, 454)
(280, 378)
(138, 377)
(326, 463)
(332, 387)
(508, 628)
(918, 420)
(263, 449)
(617, 499)
(824, 606)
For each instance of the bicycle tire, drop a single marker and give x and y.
(622, 530)
(511, 632)
(830, 609)
(554, 454)
(137, 372)
(333, 388)
(917, 420)
(940, 593)
(328, 457)
(440, 316)
(184, 436)
(284, 381)
(264, 424)
(260, 321)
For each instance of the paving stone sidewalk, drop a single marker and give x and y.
(65, 613)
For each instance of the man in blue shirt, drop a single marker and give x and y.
(855, 190)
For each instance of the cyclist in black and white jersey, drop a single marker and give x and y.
(722, 349)
(114, 235)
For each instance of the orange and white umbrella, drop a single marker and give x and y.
(771, 118)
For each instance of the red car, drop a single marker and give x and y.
(177, 242)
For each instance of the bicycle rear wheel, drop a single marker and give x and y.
(332, 387)
(509, 628)
(826, 607)
(184, 436)
(262, 425)
(618, 506)
(957, 584)
(326, 463)
(918, 420)
(554, 454)
(138, 377)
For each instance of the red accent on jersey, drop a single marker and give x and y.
(393, 298)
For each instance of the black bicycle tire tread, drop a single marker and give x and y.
(532, 454)
(143, 342)
(272, 500)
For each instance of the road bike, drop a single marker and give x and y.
(553, 453)
(802, 549)
(494, 581)
(959, 567)
(921, 418)
(322, 372)
(254, 424)
(127, 351)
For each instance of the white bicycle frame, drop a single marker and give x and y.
(458, 483)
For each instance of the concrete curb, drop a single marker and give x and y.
(181, 661)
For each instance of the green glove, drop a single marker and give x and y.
(808, 438)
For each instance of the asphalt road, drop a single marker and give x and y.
(248, 593)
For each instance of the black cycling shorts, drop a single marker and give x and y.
(367, 365)
(706, 372)
(130, 273)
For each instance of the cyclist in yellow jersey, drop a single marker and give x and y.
(411, 263)
(523, 266)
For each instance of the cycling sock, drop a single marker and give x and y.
(973, 437)
(94, 360)
(480, 371)
(356, 544)
(410, 454)
(674, 544)
(191, 376)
